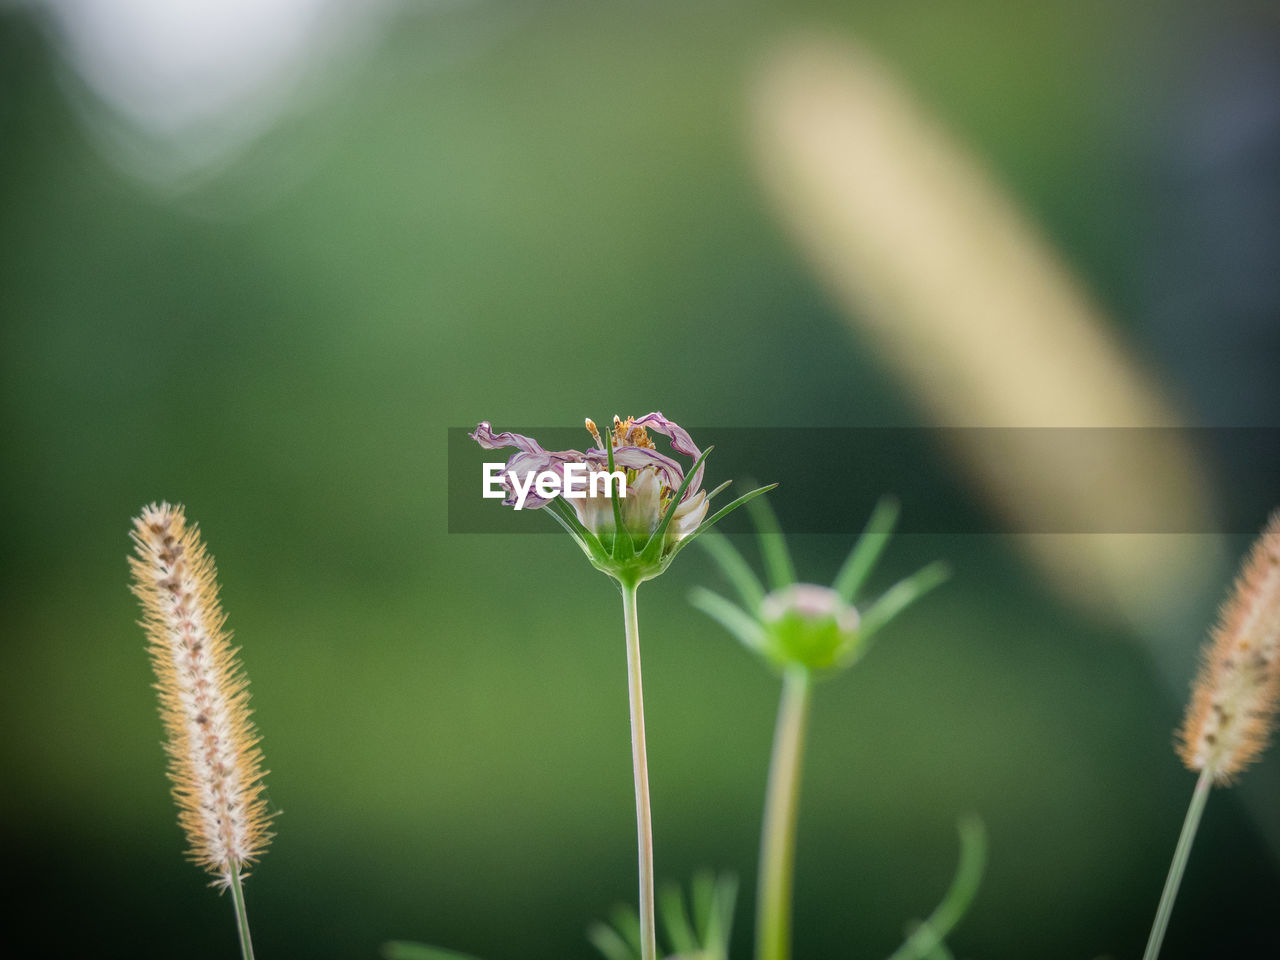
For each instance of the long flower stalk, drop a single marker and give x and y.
(215, 766)
(640, 769)
(1233, 705)
(631, 531)
(778, 839)
(803, 631)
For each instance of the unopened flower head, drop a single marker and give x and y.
(1233, 707)
(630, 530)
(214, 762)
(809, 624)
(806, 626)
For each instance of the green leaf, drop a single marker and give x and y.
(606, 939)
(675, 918)
(720, 515)
(773, 546)
(714, 493)
(900, 596)
(627, 922)
(656, 539)
(923, 944)
(735, 568)
(730, 616)
(702, 891)
(570, 516)
(713, 899)
(586, 540)
(862, 558)
(719, 928)
(405, 950)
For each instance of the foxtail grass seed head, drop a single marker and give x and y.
(214, 762)
(1233, 706)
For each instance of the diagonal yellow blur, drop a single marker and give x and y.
(936, 266)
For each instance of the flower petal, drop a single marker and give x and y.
(485, 436)
(637, 458)
(529, 458)
(688, 516)
(640, 509)
(681, 442)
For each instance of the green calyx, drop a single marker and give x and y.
(633, 550)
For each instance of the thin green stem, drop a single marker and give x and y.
(778, 841)
(640, 763)
(242, 918)
(1180, 854)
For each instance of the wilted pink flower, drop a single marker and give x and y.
(653, 479)
(664, 504)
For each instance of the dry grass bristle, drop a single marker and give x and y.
(215, 765)
(1233, 706)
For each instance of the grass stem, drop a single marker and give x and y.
(242, 918)
(1180, 854)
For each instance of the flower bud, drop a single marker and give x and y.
(810, 626)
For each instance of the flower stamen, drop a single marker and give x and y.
(627, 434)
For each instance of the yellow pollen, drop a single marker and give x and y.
(626, 434)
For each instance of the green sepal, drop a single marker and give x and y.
(704, 526)
(749, 631)
(618, 552)
(735, 567)
(712, 495)
(867, 550)
(900, 596)
(653, 547)
(590, 544)
(717, 517)
(773, 546)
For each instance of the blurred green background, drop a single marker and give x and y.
(528, 213)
